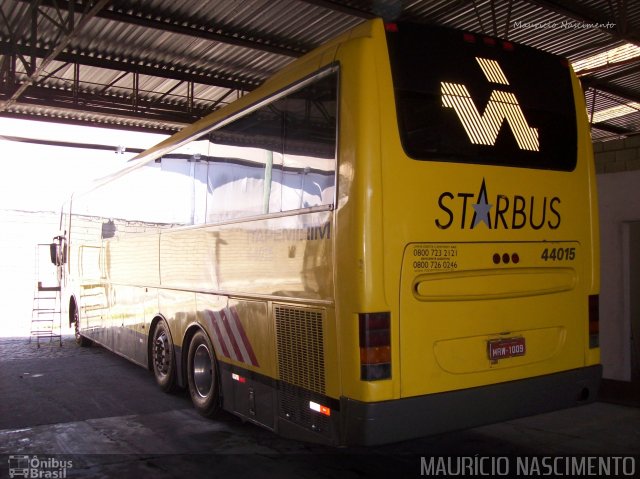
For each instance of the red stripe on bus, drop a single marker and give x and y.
(230, 334)
(214, 323)
(245, 339)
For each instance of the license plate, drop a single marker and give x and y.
(506, 348)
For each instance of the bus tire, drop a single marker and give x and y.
(202, 375)
(81, 341)
(163, 357)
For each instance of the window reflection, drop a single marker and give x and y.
(280, 157)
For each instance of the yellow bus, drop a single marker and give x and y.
(395, 236)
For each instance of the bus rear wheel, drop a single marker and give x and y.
(163, 357)
(202, 375)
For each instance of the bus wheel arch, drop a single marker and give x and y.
(73, 311)
(202, 372)
(74, 320)
(161, 355)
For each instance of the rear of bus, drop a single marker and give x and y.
(489, 237)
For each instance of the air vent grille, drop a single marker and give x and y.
(300, 347)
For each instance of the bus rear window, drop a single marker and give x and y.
(468, 98)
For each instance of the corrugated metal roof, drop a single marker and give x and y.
(164, 63)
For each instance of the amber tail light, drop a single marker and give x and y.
(375, 346)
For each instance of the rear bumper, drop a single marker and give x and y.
(391, 421)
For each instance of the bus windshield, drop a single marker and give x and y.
(464, 97)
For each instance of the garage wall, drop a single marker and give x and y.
(35, 179)
(618, 167)
(617, 155)
(21, 231)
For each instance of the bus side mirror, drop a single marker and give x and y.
(53, 252)
(58, 251)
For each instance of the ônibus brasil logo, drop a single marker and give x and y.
(38, 467)
(468, 210)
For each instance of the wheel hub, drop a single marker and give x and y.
(202, 371)
(162, 357)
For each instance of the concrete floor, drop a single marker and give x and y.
(107, 417)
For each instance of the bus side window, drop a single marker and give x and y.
(308, 173)
(280, 157)
(241, 158)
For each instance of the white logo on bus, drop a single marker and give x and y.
(483, 129)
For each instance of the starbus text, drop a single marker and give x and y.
(469, 210)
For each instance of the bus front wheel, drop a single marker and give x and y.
(202, 375)
(75, 319)
(163, 357)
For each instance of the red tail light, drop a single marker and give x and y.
(594, 321)
(391, 27)
(489, 41)
(469, 37)
(375, 346)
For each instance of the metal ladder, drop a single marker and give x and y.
(46, 317)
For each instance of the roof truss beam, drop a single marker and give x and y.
(612, 89)
(591, 81)
(90, 10)
(338, 7)
(134, 66)
(120, 11)
(617, 130)
(141, 108)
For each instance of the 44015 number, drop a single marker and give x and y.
(559, 254)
